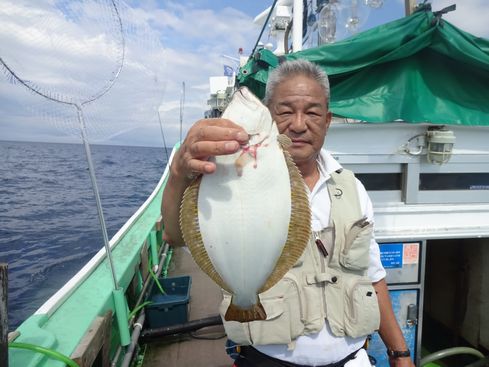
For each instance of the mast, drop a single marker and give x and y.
(182, 107)
(409, 6)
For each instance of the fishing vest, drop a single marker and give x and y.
(327, 285)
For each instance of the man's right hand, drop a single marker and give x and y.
(207, 138)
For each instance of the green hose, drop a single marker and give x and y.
(449, 352)
(153, 275)
(135, 311)
(48, 352)
(166, 265)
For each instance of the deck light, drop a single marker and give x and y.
(375, 4)
(327, 23)
(338, 19)
(439, 145)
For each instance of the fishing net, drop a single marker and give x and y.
(58, 57)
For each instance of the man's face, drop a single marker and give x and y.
(300, 110)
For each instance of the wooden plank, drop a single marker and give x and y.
(144, 261)
(13, 335)
(95, 343)
(159, 224)
(3, 315)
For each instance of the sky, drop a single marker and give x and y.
(127, 85)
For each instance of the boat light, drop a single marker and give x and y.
(439, 145)
(221, 100)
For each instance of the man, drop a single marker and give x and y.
(333, 330)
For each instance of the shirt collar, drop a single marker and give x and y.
(327, 164)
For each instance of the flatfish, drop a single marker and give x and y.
(249, 222)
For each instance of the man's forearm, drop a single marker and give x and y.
(389, 330)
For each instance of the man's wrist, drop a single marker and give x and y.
(398, 353)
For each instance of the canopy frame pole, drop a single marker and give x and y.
(409, 6)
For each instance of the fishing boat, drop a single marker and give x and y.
(411, 120)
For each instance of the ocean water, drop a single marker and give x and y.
(49, 226)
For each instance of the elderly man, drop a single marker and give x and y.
(333, 328)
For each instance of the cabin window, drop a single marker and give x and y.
(454, 181)
(380, 181)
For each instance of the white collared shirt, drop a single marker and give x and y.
(324, 347)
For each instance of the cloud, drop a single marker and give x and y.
(64, 51)
(471, 15)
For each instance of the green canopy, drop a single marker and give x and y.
(418, 69)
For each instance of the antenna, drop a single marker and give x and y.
(182, 107)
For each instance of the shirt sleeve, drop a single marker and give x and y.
(376, 271)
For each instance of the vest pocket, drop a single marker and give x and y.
(285, 325)
(236, 331)
(362, 315)
(284, 309)
(355, 253)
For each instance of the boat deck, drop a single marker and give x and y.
(192, 349)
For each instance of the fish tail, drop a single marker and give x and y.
(236, 313)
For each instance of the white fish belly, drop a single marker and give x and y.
(244, 220)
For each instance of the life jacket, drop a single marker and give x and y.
(334, 287)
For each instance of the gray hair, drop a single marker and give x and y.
(293, 68)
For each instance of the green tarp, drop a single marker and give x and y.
(418, 69)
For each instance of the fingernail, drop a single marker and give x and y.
(242, 136)
(231, 146)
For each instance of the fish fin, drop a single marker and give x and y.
(189, 224)
(236, 313)
(299, 230)
(240, 162)
(284, 141)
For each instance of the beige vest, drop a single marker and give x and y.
(333, 287)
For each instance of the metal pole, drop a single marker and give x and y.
(297, 26)
(409, 6)
(182, 106)
(100, 211)
(3, 315)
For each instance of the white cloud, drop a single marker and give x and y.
(471, 15)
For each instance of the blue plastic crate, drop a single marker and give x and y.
(170, 308)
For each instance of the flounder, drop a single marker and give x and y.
(249, 222)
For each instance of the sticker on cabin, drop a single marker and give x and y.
(410, 253)
(391, 255)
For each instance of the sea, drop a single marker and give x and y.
(49, 226)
